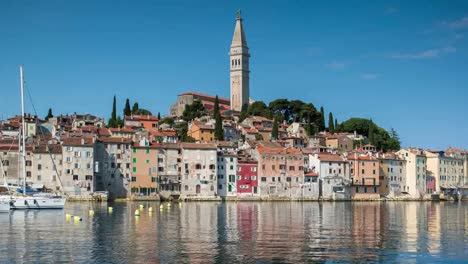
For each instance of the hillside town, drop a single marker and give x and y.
(209, 147)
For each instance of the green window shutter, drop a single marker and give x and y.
(147, 151)
(134, 169)
(134, 150)
(147, 161)
(134, 160)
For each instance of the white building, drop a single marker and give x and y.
(199, 170)
(78, 163)
(415, 171)
(227, 167)
(112, 166)
(47, 167)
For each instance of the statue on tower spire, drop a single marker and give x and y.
(238, 14)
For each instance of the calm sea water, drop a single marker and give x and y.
(248, 232)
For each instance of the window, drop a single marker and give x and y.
(220, 187)
(279, 179)
(231, 167)
(357, 189)
(67, 171)
(75, 177)
(288, 179)
(263, 179)
(154, 179)
(273, 167)
(134, 160)
(134, 150)
(291, 168)
(133, 179)
(212, 167)
(88, 154)
(329, 171)
(373, 172)
(28, 163)
(254, 169)
(363, 171)
(365, 189)
(147, 150)
(239, 177)
(198, 166)
(239, 168)
(147, 162)
(38, 177)
(232, 178)
(263, 167)
(89, 177)
(75, 166)
(253, 178)
(88, 165)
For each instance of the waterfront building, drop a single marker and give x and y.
(281, 171)
(331, 175)
(10, 158)
(112, 166)
(415, 172)
(447, 171)
(199, 170)
(239, 57)
(227, 167)
(169, 169)
(364, 173)
(247, 176)
(78, 162)
(144, 176)
(47, 163)
(147, 122)
(391, 174)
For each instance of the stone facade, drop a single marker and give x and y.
(239, 64)
(47, 166)
(199, 170)
(78, 163)
(227, 167)
(169, 169)
(415, 180)
(112, 164)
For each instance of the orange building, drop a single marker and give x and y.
(201, 132)
(148, 122)
(364, 173)
(144, 179)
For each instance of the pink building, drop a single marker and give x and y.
(364, 173)
(430, 184)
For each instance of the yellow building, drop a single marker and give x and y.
(201, 132)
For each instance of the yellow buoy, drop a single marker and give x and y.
(77, 218)
(168, 204)
(137, 212)
(110, 209)
(91, 212)
(150, 209)
(142, 206)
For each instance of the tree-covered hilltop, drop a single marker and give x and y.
(377, 136)
(289, 111)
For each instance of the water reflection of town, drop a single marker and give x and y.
(238, 232)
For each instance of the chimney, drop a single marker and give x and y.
(82, 141)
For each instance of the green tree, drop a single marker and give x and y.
(135, 108)
(274, 131)
(322, 119)
(336, 124)
(113, 119)
(167, 120)
(119, 122)
(259, 108)
(142, 111)
(310, 126)
(219, 134)
(182, 130)
(49, 114)
(371, 136)
(331, 125)
(393, 142)
(159, 116)
(195, 110)
(127, 111)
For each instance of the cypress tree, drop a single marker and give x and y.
(135, 108)
(371, 134)
(244, 112)
(219, 121)
(49, 114)
(159, 116)
(310, 126)
(336, 124)
(331, 125)
(274, 131)
(113, 119)
(322, 119)
(127, 110)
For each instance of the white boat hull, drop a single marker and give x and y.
(31, 202)
(4, 206)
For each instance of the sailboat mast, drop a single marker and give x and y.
(23, 130)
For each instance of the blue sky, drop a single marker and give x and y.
(401, 63)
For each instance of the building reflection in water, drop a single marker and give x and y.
(239, 232)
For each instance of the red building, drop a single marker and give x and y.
(247, 177)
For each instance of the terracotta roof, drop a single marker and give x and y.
(169, 133)
(221, 99)
(53, 148)
(141, 118)
(115, 140)
(14, 147)
(360, 157)
(311, 174)
(226, 144)
(278, 151)
(122, 130)
(251, 131)
(330, 157)
(186, 145)
(201, 125)
(168, 145)
(78, 141)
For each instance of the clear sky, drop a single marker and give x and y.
(402, 63)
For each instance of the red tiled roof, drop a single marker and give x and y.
(221, 99)
(360, 157)
(78, 141)
(201, 125)
(158, 133)
(311, 174)
(141, 118)
(122, 130)
(53, 148)
(115, 140)
(186, 145)
(278, 151)
(330, 157)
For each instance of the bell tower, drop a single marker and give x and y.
(239, 65)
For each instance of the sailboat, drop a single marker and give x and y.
(37, 200)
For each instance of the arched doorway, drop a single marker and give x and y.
(198, 188)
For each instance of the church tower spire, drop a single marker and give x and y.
(239, 65)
